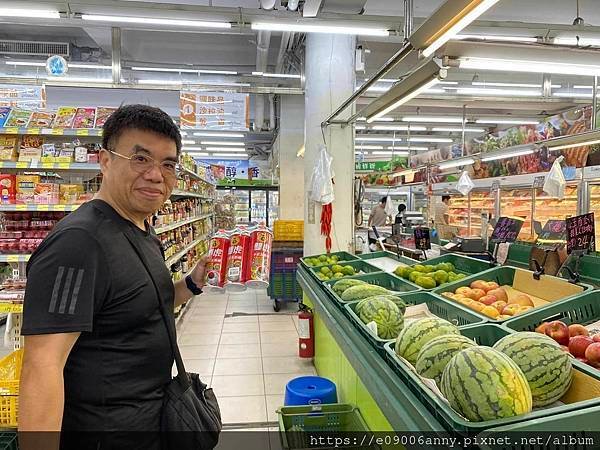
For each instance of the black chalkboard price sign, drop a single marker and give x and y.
(553, 234)
(422, 238)
(581, 233)
(507, 229)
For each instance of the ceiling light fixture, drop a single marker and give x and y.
(188, 142)
(223, 143)
(446, 22)
(228, 155)
(515, 85)
(577, 41)
(407, 147)
(364, 138)
(277, 75)
(501, 121)
(29, 13)
(360, 127)
(218, 134)
(191, 149)
(499, 92)
(510, 154)
(329, 29)
(368, 147)
(511, 65)
(71, 65)
(573, 141)
(429, 139)
(225, 149)
(161, 82)
(456, 163)
(458, 130)
(432, 119)
(449, 82)
(399, 128)
(580, 86)
(182, 70)
(383, 153)
(573, 94)
(155, 21)
(481, 37)
(198, 154)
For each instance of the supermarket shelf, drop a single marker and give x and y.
(15, 258)
(32, 207)
(173, 259)
(180, 193)
(196, 176)
(93, 132)
(181, 223)
(41, 166)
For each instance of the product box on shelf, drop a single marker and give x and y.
(102, 114)
(42, 119)
(8, 188)
(46, 194)
(70, 193)
(26, 188)
(18, 118)
(64, 117)
(4, 113)
(8, 147)
(84, 118)
(30, 154)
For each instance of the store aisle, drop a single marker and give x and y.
(246, 351)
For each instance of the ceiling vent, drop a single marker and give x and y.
(34, 48)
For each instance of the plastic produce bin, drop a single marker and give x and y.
(8, 441)
(455, 313)
(359, 266)
(463, 264)
(10, 372)
(297, 422)
(343, 257)
(402, 260)
(288, 230)
(489, 334)
(549, 288)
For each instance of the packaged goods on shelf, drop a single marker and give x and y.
(46, 194)
(8, 147)
(42, 119)
(177, 211)
(24, 231)
(8, 188)
(26, 188)
(4, 113)
(84, 118)
(102, 114)
(64, 117)
(18, 118)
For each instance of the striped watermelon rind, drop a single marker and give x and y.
(385, 313)
(435, 355)
(481, 384)
(342, 285)
(546, 366)
(418, 333)
(397, 300)
(361, 292)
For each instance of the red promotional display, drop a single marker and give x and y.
(217, 260)
(237, 261)
(306, 340)
(259, 267)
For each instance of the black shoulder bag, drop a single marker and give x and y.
(190, 416)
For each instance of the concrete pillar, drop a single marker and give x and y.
(291, 167)
(330, 79)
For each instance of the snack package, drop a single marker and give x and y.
(30, 154)
(42, 119)
(64, 117)
(8, 189)
(70, 193)
(32, 141)
(8, 147)
(46, 194)
(66, 154)
(102, 114)
(81, 155)
(18, 118)
(4, 113)
(26, 188)
(217, 261)
(259, 267)
(84, 118)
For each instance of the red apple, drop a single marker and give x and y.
(499, 293)
(596, 338)
(578, 344)
(488, 300)
(592, 354)
(521, 299)
(541, 328)
(576, 329)
(476, 294)
(558, 331)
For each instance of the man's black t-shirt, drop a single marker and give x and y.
(86, 277)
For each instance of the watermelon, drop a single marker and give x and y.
(481, 383)
(342, 285)
(546, 366)
(384, 313)
(362, 291)
(435, 355)
(397, 300)
(415, 335)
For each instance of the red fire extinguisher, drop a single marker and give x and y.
(306, 342)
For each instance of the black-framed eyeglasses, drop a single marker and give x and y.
(141, 163)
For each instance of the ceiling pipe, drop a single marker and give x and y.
(409, 14)
(286, 37)
(263, 42)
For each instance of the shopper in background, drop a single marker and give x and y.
(400, 216)
(441, 218)
(97, 353)
(377, 218)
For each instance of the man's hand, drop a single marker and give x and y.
(198, 273)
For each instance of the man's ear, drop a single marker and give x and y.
(104, 158)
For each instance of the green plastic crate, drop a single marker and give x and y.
(453, 312)
(387, 280)
(284, 286)
(463, 264)
(403, 260)
(344, 257)
(483, 334)
(8, 441)
(503, 276)
(358, 266)
(327, 418)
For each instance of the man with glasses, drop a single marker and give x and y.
(97, 352)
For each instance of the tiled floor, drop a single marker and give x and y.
(245, 350)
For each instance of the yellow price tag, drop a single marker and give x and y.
(33, 131)
(43, 208)
(46, 130)
(47, 165)
(58, 131)
(21, 207)
(11, 130)
(83, 132)
(64, 165)
(9, 307)
(22, 165)
(12, 258)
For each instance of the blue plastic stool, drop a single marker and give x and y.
(310, 390)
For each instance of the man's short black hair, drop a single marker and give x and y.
(445, 197)
(401, 207)
(383, 200)
(139, 117)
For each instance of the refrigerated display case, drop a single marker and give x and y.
(254, 205)
(592, 204)
(273, 208)
(258, 206)
(464, 212)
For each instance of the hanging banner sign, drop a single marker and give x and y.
(21, 96)
(214, 110)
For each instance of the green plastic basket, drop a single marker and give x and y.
(504, 276)
(359, 266)
(8, 441)
(463, 264)
(483, 334)
(296, 423)
(403, 260)
(442, 308)
(386, 280)
(343, 257)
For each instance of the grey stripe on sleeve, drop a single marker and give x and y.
(57, 281)
(78, 281)
(65, 291)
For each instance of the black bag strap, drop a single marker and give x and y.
(128, 233)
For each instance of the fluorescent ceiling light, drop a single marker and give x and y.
(573, 41)
(406, 147)
(429, 139)
(508, 121)
(71, 65)
(573, 94)
(225, 149)
(449, 82)
(191, 149)
(223, 143)
(399, 128)
(377, 139)
(188, 142)
(446, 22)
(182, 70)
(434, 91)
(456, 163)
(276, 75)
(156, 21)
(515, 85)
(329, 29)
(528, 151)
(490, 37)
(579, 144)
(198, 153)
(360, 127)
(390, 153)
(433, 119)
(377, 88)
(499, 92)
(509, 65)
(229, 155)
(29, 13)
(458, 130)
(381, 119)
(368, 147)
(79, 79)
(170, 82)
(579, 86)
(219, 134)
